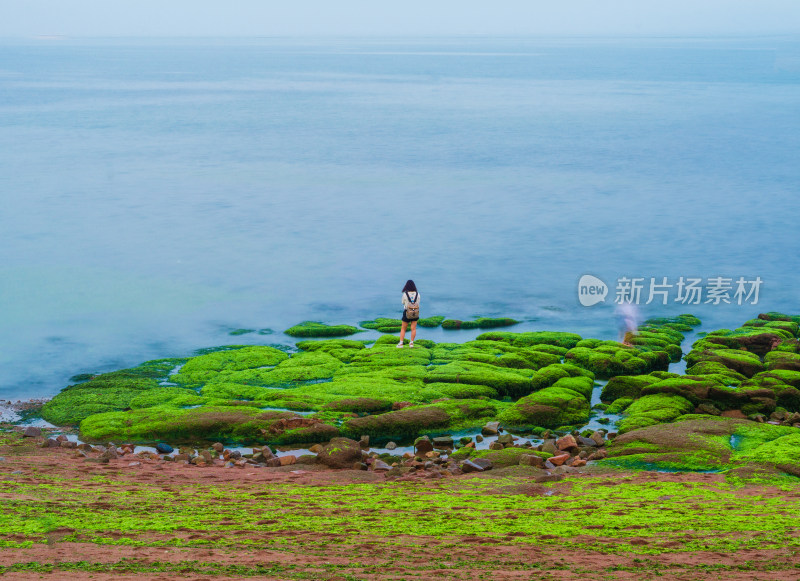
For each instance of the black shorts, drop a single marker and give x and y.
(406, 319)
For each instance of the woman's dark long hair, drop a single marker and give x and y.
(410, 287)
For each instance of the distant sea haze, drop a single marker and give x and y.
(158, 195)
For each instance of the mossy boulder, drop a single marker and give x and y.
(629, 386)
(740, 361)
(717, 370)
(342, 349)
(368, 405)
(551, 407)
(383, 355)
(171, 396)
(383, 325)
(758, 340)
(463, 390)
(619, 405)
(708, 443)
(685, 320)
(319, 329)
(499, 458)
(789, 326)
(203, 368)
(105, 393)
(559, 339)
(415, 421)
(507, 382)
(609, 358)
(479, 323)
(775, 360)
(694, 389)
(430, 322)
(340, 453)
(168, 423)
(654, 409)
(775, 316)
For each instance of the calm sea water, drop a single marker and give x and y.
(158, 194)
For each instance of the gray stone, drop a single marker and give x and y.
(549, 446)
(479, 438)
(391, 446)
(598, 438)
(505, 439)
(443, 442)
(380, 466)
(217, 447)
(32, 432)
(496, 446)
(531, 460)
(468, 466)
(109, 454)
(490, 429)
(483, 463)
(582, 441)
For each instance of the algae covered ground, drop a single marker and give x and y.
(65, 519)
(696, 477)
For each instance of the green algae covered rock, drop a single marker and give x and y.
(80, 401)
(629, 386)
(619, 405)
(108, 392)
(758, 340)
(415, 421)
(170, 396)
(199, 370)
(696, 390)
(717, 370)
(685, 320)
(300, 367)
(775, 360)
(654, 409)
(163, 422)
(609, 358)
(343, 349)
(738, 360)
(430, 322)
(566, 340)
(774, 316)
(479, 323)
(507, 382)
(708, 443)
(562, 404)
(499, 458)
(493, 353)
(463, 390)
(317, 329)
(383, 325)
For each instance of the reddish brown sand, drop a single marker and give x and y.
(556, 562)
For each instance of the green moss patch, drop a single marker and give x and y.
(318, 329)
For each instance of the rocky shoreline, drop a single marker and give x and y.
(433, 458)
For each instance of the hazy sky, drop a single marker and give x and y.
(406, 17)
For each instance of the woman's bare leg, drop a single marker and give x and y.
(413, 330)
(403, 331)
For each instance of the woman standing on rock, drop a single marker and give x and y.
(410, 312)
